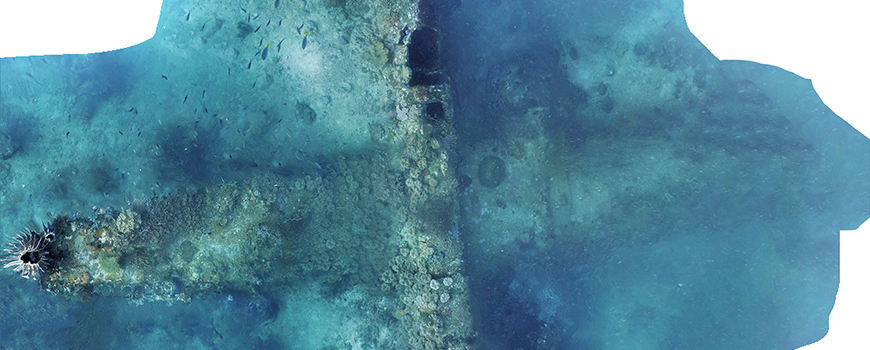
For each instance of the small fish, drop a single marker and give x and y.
(261, 43)
(203, 94)
(255, 17)
(188, 17)
(228, 70)
(164, 77)
(305, 40)
(131, 109)
(185, 99)
(243, 9)
(249, 64)
(299, 30)
(34, 79)
(258, 28)
(279, 45)
(206, 109)
(206, 22)
(269, 21)
(280, 21)
(277, 2)
(265, 51)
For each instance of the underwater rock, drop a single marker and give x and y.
(464, 181)
(305, 113)
(607, 104)
(7, 148)
(602, 89)
(258, 308)
(211, 27)
(491, 171)
(573, 53)
(244, 29)
(187, 251)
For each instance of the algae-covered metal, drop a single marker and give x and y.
(190, 242)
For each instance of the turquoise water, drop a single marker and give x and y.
(617, 186)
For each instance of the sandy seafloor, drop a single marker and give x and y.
(617, 186)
